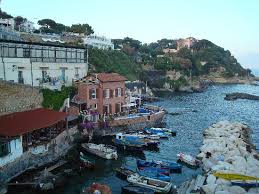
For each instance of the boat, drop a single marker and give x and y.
(104, 151)
(131, 189)
(85, 162)
(165, 130)
(156, 173)
(123, 172)
(150, 183)
(234, 176)
(173, 166)
(129, 142)
(154, 131)
(188, 159)
(245, 184)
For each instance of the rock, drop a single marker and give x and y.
(223, 181)
(209, 188)
(222, 192)
(47, 186)
(236, 190)
(235, 96)
(211, 179)
(253, 191)
(3, 190)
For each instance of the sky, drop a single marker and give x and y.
(231, 24)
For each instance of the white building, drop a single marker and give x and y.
(27, 26)
(38, 64)
(99, 42)
(7, 23)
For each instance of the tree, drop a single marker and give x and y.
(18, 21)
(82, 29)
(4, 15)
(48, 23)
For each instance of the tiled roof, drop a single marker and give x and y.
(23, 122)
(110, 77)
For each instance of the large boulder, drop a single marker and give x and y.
(236, 190)
(209, 188)
(211, 179)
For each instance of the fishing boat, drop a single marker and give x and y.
(129, 142)
(156, 173)
(234, 176)
(150, 183)
(123, 172)
(101, 150)
(173, 166)
(85, 162)
(131, 189)
(245, 184)
(188, 159)
(159, 133)
(165, 130)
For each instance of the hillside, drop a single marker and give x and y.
(113, 61)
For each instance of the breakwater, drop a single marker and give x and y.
(226, 149)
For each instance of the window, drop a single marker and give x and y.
(93, 106)
(118, 107)
(119, 92)
(4, 149)
(107, 109)
(92, 93)
(26, 52)
(106, 93)
(77, 72)
(44, 76)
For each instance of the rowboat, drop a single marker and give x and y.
(101, 150)
(85, 162)
(234, 176)
(150, 183)
(131, 189)
(128, 142)
(123, 172)
(172, 166)
(154, 131)
(165, 130)
(188, 159)
(246, 184)
(155, 173)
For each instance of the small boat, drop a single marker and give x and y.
(131, 189)
(150, 183)
(188, 159)
(173, 166)
(165, 130)
(245, 184)
(123, 172)
(85, 163)
(155, 173)
(104, 151)
(129, 142)
(159, 133)
(233, 176)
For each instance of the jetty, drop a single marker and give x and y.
(227, 156)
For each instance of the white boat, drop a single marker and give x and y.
(154, 184)
(101, 150)
(188, 159)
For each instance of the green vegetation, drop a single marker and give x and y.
(114, 61)
(55, 99)
(175, 84)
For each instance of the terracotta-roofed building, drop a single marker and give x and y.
(100, 94)
(21, 131)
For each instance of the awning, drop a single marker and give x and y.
(20, 123)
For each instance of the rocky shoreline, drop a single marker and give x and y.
(226, 149)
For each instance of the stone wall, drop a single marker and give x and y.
(18, 97)
(57, 148)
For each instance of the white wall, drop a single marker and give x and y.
(13, 65)
(16, 151)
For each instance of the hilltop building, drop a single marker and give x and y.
(186, 43)
(99, 42)
(38, 64)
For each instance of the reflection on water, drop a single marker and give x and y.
(210, 107)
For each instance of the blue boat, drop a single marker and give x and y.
(155, 173)
(245, 184)
(172, 166)
(130, 143)
(157, 131)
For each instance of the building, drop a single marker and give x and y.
(27, 26)
(40, 64)
(10, 23)
(186, 43)
(29, 131)
(99, 42)
(8, 34)
(100, 94)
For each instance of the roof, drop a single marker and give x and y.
(110, 77)
(23, 122)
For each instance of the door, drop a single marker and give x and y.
(20, 77)
(63, 75)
